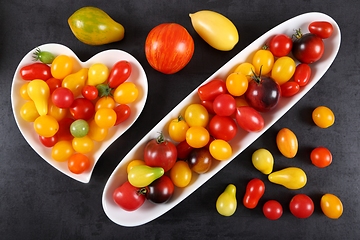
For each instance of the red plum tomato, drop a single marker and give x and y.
(249, 119)
(322, 29)
(210, 90)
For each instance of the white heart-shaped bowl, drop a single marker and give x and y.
(148, 211)
(109, 58)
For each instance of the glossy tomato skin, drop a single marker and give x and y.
(82, 108)
(119, 73)
(159, 152)
(200, 160)
(322, 29)
(183, 150)
(255, 189)
(128, 197)
(224, 104)
(62, 97)
(160, 190)
(249, 119)
(280, 45)
(36, 71)
(123, 112)
(302, 74)
(301, 206)
(263, 93)
(222, 127)
(169, 48)
(210, 90)
(289, 89)
(321, 157)
(272, 210)
(308, 48)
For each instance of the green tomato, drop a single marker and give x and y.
(43, 56)
(263, 160)
(79, 128)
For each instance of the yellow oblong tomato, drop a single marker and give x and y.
(290, 177)
(93, 26)
(216, 29)
(220, 149)
(323, 117)
(28, 111)
(331, 206)
(126, 93)
(181, 174)
(62, 66)
(263, 61)
(76, 81)
(283, 69)
(287, 142)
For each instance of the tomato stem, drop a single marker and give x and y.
(298, 34)
(256, 78)
(160, 138)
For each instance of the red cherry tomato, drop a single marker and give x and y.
(90, 92)
(289, 89)
(119, 73)
(254, 191)
(82, 108)
(49, 141)
(36, 71)
(159, 152)
(321, 157)
(128, 197)
(123, 112)
(249, 119)
(307, 48)
(169, 48)
(222, 127)
(210, 90)
(62, 97)
(272, 210)
(301, 206)
(183, 150)
(302, 74)
(224, 104)
(280, 45)
(78, 163)
(322, 29)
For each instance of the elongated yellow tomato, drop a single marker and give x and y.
(39, 92)
(331, 206)
(181, 174)
(133, 163)
(287, 142)
(283, 69)
(220, 149)
(126, 93)
(97, 74)
(263, 160)
(93, 26)
(28, 111)
(290, 177)
(226, 203)
(263, 60)
(46, 126)
(62, 66)
(216, 29)
(142, 175)
(76, 81)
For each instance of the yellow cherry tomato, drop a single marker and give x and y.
(83, 144)
(245, 68)
(62, 66)
(290, 177)
(236, 84)
(177, 129)
(283, 69)
(263, 160)
(216, 29)
(46, 126)
(323, 117)
(197, 137)
(23, 92)
(105, 117)
(39, 92)
(98, 73)
(56, 112)
(220, 149)
(331, 206)
(263, 59)
(97, 133)
(287, 142)
(28, 111)
(76, 81)
(105, 102)
(196, 115)
(226, 203)
(133, 163)
(181, 174)
(126, 93)
(62, 150)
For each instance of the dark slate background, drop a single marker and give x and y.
(38, 202)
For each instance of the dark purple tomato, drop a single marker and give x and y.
(307, 48)
(160, 190)
(200, 160)
(263, 93)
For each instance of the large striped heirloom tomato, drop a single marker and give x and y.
(169, 48)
